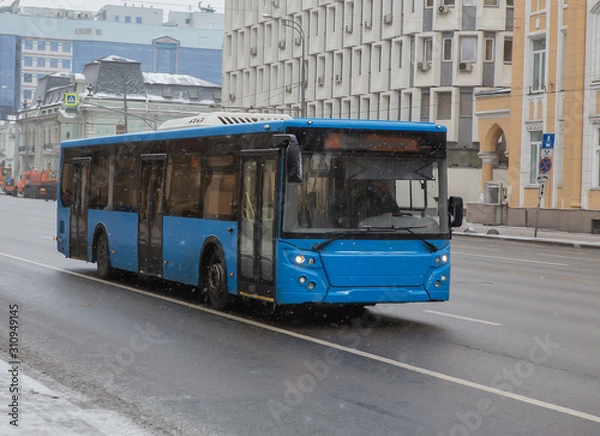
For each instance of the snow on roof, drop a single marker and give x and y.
(176, 79)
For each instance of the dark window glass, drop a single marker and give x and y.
(126, 175)
(183, 185)
(99, 181)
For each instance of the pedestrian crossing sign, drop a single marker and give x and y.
(71, 99)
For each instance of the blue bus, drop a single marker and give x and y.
(284, 210)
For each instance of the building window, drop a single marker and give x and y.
(117, 18)
(538, 81)
(66, 63)
(447, 49)
(490, 2)
(427, 49)
(28, 61)
(40, 62)
(468, 2)
(399, 51)
(428, 3)
(66, 47)
(468, 48)
(53, 63)
(444, 105)
(598, 161)
(54, 46)
(508, 50)
(28, 45)
(448, 2)
(138, 20)
(510, 3)
(41, 45)
(425, 104)
(127, 19)
(535, 143)
(489, 50)
(27, 78)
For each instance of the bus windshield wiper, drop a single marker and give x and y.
(432, 247)
(317, 247)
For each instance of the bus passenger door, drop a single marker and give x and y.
(79, 208)
(152, 183)
(258, 224)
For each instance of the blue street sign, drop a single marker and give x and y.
(71, 99)
(547, 141)
(545, 165)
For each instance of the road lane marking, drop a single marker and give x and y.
(353, 351)
(515, 259)
(464, 318)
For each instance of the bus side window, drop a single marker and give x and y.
(219, 198)
(66, 185)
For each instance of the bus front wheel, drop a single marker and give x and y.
(216, 282)
(103, 267)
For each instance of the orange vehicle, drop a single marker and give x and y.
(36, 184)
(7, 183)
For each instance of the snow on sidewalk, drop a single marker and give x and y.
(39, 410)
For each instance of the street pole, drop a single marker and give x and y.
(288, 22)
(125, 101)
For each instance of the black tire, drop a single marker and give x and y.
(216, 282)
(103, 267)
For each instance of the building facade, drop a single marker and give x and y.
(36, 42)
(112, 96)
(550, 118)
(418, 60)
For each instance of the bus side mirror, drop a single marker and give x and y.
(293, 156)
(455, 211)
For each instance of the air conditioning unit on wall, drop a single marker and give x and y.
(424, 65)
(465, 66)
(443, 9)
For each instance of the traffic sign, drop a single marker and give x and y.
(71, 99)
(547, 152)
(547, 141)
(545, 165)
(543, 178)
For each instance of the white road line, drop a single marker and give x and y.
(514, 259)
(464, 318)
(366, 355)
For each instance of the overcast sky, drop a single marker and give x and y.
(95, 5)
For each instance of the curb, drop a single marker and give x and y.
(550, 241)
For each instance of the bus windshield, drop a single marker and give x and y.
(362, 191)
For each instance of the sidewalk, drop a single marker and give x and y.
(547, 236)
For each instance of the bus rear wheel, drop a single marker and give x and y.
(103, 267)
(216, 282)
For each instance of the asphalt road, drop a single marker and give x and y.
(515, 352)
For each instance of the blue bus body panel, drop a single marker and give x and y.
(122, 228)
(183, 239)
(363, 271)
(63, 230)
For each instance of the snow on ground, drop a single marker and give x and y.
(40, 410)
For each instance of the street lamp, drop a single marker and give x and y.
(288, 22)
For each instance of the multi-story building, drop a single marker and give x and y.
(111, 96)
(418, 60)
(550, 119)
(35, 42)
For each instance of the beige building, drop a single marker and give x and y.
(550, 119)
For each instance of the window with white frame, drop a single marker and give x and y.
(490, 2)
(468, 48)
(489, 50)
(447, 49)
(448, 2)
(535, 144)
(428, 3)
(444, 105)
(508, 50)
(468, 2)
(538, 80)
(427, 49)
(598, 159)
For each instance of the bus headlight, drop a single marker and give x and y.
(299, 259)
(311, 286)
(302, 280)
(441, 260)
